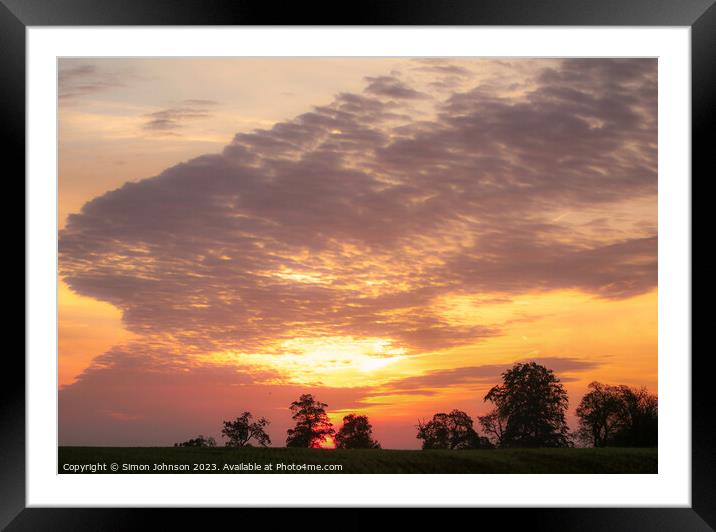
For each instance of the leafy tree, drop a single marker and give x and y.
(533, 403)
(434, 433)
(312, 423)
(199, 441)
(450, 431)
(618, 416)
(600, 414)
(461, 434)
(356, 433)
(638, 419)
(243, 428)
(494, 426)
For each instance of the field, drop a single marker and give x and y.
(282, 460)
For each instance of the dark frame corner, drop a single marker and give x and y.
(699, 15)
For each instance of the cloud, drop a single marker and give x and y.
(83, 79)
(351, 218)
(435, 381)
(174, 118)
(392, 87)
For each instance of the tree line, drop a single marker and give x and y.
(529, 409)
(312, 429)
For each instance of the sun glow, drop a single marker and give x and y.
(328, 443)
(373, 364)
(342, 361)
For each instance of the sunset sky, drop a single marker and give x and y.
(387, 234)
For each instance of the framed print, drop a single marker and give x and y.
(428, 256)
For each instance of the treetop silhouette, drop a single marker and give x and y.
(531, 403)
(312, 424)
(618, 416)
(450, 431)
(243, 429)
(199, 441)
(356, 433)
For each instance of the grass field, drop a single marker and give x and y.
(281, 460)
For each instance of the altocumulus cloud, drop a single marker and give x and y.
(350, 219)
(175, 117)
(476, 376)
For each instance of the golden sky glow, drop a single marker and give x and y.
(388, 234)
(86, 327)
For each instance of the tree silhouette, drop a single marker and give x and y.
(312, 423)
(638, 418)
(533, 403)
(356, 433)
(450, 431)
(199, 441)
(618, 416)
(240, 431)
(600, 414)
(493, 424)
(434, 433)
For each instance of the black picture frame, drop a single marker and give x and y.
(16, 15)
